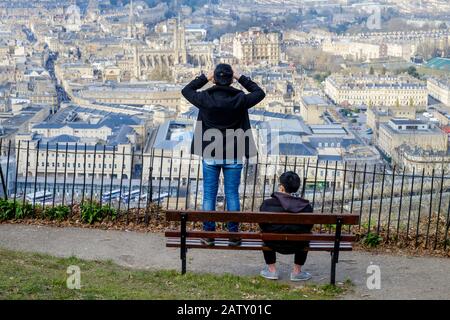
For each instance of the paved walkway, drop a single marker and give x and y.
(402, 277)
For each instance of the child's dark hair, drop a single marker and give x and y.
(290, 181)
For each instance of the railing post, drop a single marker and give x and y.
(335, 254)
(5, 191)
(183, 248)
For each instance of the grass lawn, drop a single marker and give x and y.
(37, 276)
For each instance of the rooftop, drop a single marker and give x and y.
(403, 121)
(314, 100)
(439, 64)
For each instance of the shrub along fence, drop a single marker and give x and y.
(109, 181)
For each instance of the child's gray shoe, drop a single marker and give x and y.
(265, 273)
(302, 276)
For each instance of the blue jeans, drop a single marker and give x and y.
(232, 180)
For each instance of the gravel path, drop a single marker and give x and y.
(402, 277)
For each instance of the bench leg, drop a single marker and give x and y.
(183, 247)
(335, 253)
(333, 270)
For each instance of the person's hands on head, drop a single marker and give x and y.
(210, 75)
(236, 73)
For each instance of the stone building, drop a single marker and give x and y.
(412, 132)
(255, 46)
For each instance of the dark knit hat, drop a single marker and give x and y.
(223, 75)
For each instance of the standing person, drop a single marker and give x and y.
(222, 135)
(285, 200)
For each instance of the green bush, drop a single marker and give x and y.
(94, 212)
(18, 210)
(7, 210)
(24, 210)
(372, 240)
(56, 213)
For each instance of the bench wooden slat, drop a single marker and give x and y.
(194, 243)
(263, 217)
(261, 236)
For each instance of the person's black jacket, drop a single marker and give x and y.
(283, 202)
(223, 107)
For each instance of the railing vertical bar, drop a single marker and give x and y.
(7, 164)
(353, 188)
(315, 183)
(130, 179)
(45, 177)
(334, 187)
(36, 173)
(74, 176)
(390, 204)
(93, 173)
(56, 174)
(140, 186)
(112, 176)
(65, 174)
(188, 184)
(121, 179)
(439, 209)
(324, 191)
(344, 180)
(305, 176)
(400, 203)
(26, 174)
(381, 199)
(149, 186)
(160, 176)
(420, 208)
(371, 198)
(245, 184)
(83, 193)
(447, 223)
(295, 164)
(169, 190)
(179, 178)
(17, 172)
(430, 211)
(324, 188)
(103, 174)
(197, 183)
(275, 175)
(255, 174)
(2, 177)
(363, 187)
(265, 178)
(411, 193)
(353, 193)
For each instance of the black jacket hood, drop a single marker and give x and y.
(291, 203)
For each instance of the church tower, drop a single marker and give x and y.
(131, 22)
(179, 39)
(92, 11)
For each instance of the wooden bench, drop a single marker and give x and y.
(190, 239)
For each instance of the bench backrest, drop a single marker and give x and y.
(263, 217)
